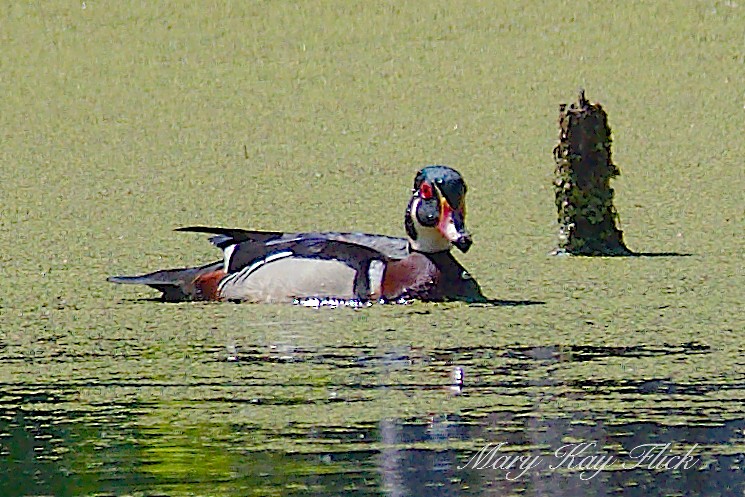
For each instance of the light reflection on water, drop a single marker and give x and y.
(200, 437)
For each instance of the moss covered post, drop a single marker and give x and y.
(584, 198)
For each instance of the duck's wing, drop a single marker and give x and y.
(284, 268)
(274, 266)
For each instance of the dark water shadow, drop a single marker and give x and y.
(584, 353)
(658, 254)
(625, 255)
(506, 303)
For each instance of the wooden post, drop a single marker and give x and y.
(584, 198)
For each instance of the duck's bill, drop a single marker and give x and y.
(453, 228)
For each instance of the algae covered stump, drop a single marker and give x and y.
(584, 198)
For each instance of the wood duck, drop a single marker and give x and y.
(262, 266)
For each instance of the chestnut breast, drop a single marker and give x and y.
(429, 277)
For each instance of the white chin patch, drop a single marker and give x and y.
(429, 240)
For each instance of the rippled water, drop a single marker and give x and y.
(286, 417)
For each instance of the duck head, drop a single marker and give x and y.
(435, 216)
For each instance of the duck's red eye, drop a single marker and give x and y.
(425, 191)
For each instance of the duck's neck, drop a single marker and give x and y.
(414, 249)
(428, 241)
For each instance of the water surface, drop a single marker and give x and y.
(121, 122)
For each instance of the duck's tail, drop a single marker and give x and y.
(178, 285)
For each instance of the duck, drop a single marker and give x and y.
(277, 267)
